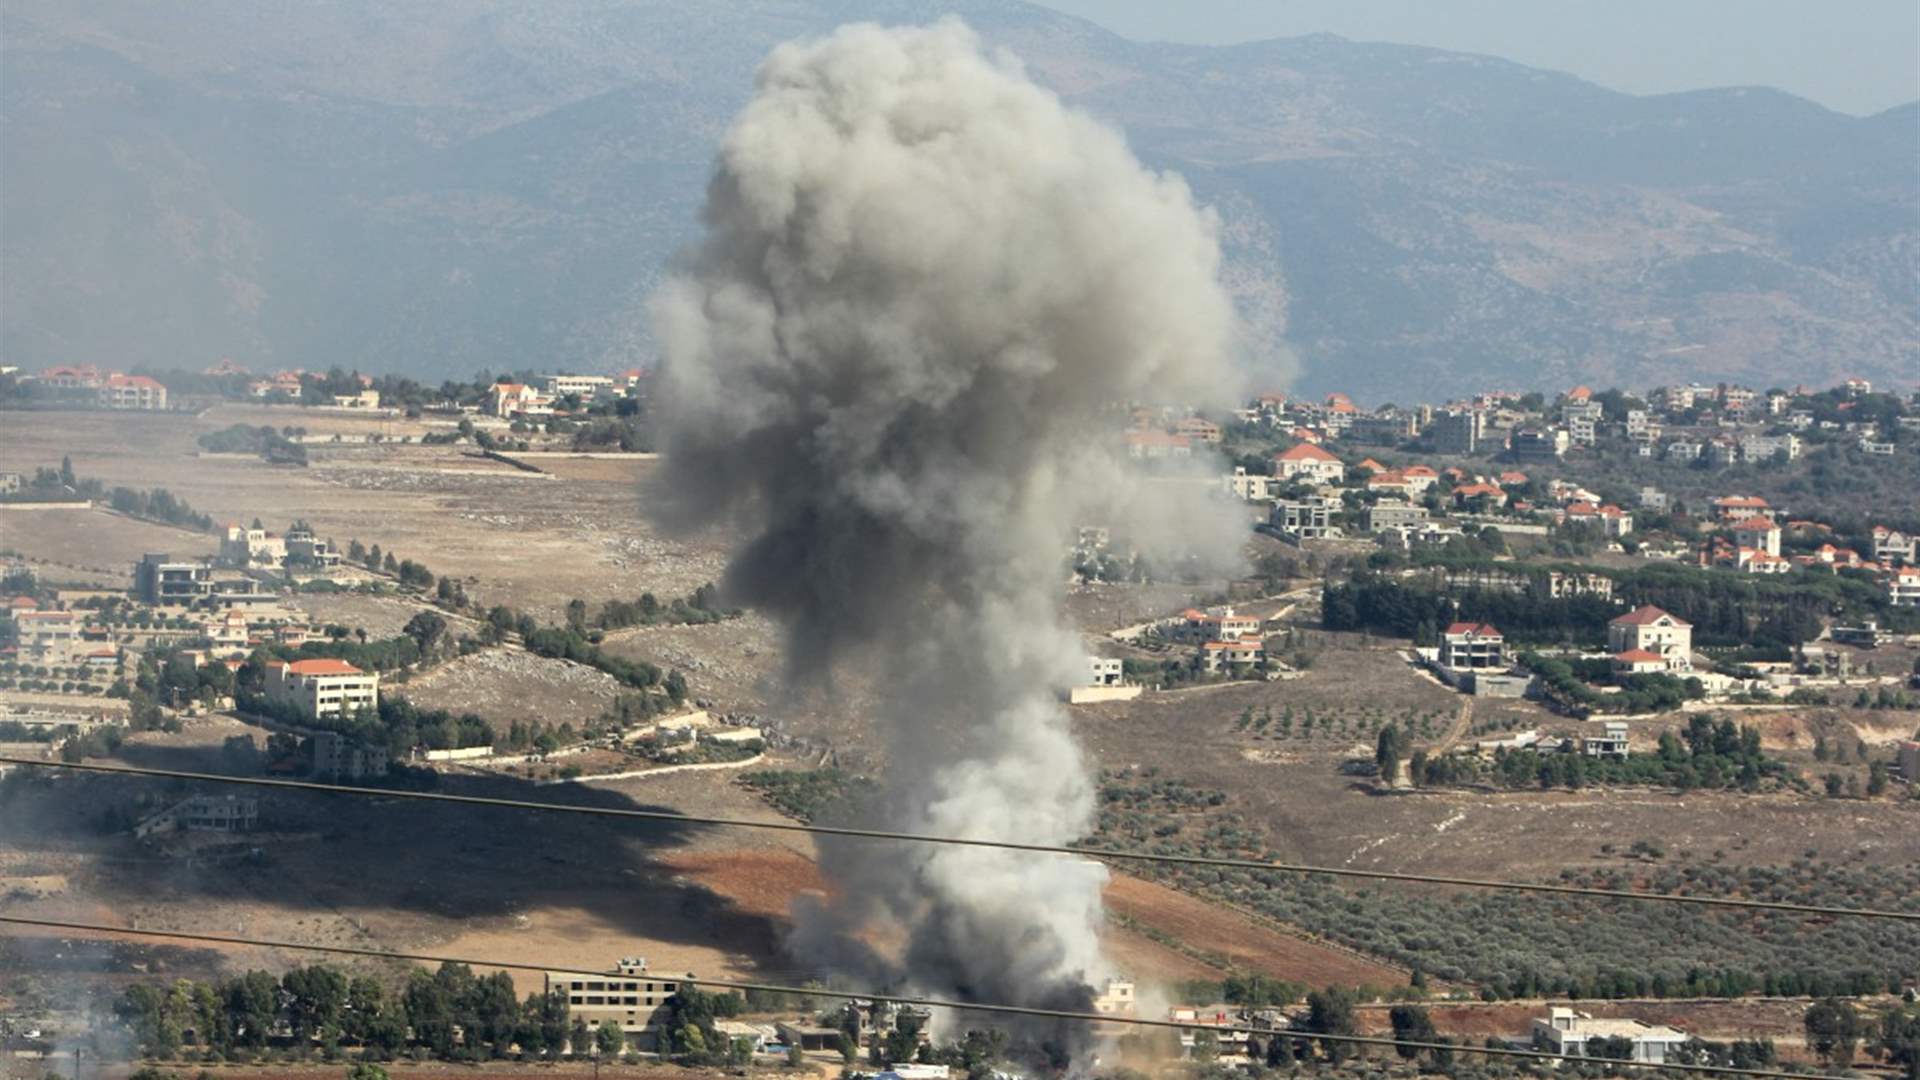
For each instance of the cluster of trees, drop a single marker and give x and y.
(697, 608)
(1564, 686)
(1731, 610)
(406, 571)
(627, 430)
(579, 644)
(450, 1013)
(1711, 754)
(276, 447)
(1253, 991)
(55, 485)
(161, 505)
(803, 794)
(559, 642)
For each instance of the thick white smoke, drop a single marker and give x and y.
(899, 360)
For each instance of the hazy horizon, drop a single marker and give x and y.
(1860, 58)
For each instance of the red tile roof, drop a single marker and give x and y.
(1755, 524)
(322, 667)
(1646, 615)
(1477, 629)
(1639, 656)
(1304, 452)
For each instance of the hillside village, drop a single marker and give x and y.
(1598, 629)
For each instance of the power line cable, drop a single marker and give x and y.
(960, 841)
(899, 999)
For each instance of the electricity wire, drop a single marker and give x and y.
(961, 841)
(898, 999)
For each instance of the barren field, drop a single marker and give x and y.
(93, 546)
(379, 616)
(504, 685)
(1232, 942)
(1316, 814)
(1776, 1018)
(528, 540)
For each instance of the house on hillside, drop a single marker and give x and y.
(1471, 646)
(1741, 507)
(1569, 1034)
(1649, 629)
(203, 813)
(322, 687)
(1249, 487)
(1309, 463)
(1903, 587)
(1310, 518)
(1894, 546)
(1219, 656)
(1759, 533)
(510, 399)
(1610, 743)
(1608, 518)
(1157, 445)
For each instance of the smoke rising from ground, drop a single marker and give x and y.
(899, 361)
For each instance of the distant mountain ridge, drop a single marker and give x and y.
(497, 184)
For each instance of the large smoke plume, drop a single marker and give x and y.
(899, 361)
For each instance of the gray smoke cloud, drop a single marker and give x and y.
(899, 362)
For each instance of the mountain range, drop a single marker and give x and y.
(439, 189)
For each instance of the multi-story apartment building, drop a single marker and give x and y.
(1457, 431)
(322, 688)
(627, 997)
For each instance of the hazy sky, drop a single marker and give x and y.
(1856, 56)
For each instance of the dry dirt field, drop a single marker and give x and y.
(1316, 814)
(499, 685)
(528, 540)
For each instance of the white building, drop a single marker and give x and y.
(1892, 545)
(1758, 533)
(1466, 645)
(1249, 487)
(518, 399)
(1311, 464)
(1903, 588)
(1649, 629)
(1611, 743)
(1568, 1033)
(119, 391)
(1105, 671)
(1218, 656)
(323, 687)
(1763, 448)
(47, 637)
(586, 386)
(251, 546)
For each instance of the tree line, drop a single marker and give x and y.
(1731, 610)
(1710, 755)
